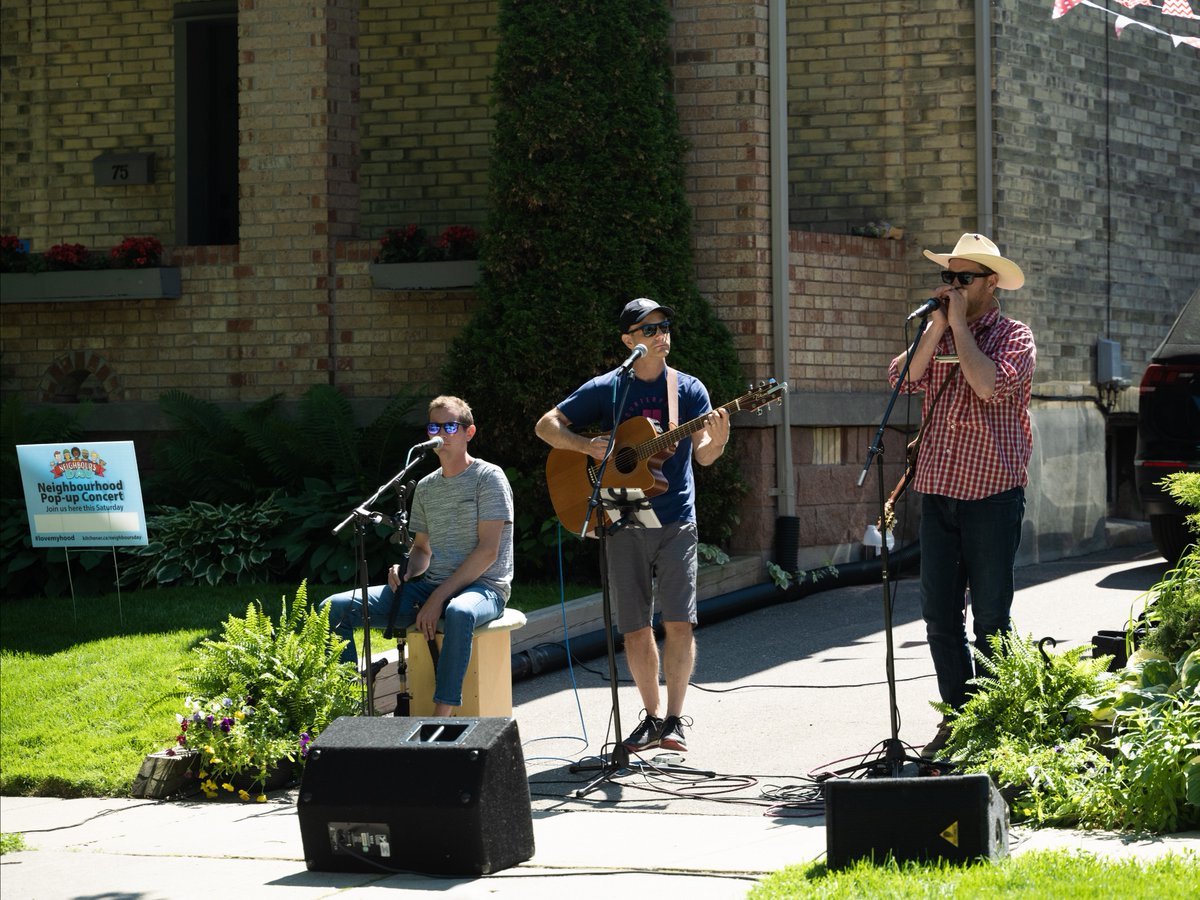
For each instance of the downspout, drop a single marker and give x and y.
(785, 485)
(983, 118)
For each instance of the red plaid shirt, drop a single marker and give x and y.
(975, 448)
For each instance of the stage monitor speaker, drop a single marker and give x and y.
(952, 817)
(446, 796)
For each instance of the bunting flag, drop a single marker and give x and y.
(1181, 9)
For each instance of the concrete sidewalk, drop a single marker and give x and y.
(778, 694)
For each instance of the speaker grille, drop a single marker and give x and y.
(953, 817)
(437, 795)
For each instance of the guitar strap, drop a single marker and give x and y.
(672, 398)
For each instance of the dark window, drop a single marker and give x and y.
(206, 137)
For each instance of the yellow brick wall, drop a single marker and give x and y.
(86, 78)
(721, 88)
(426, 122)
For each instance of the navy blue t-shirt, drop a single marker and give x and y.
(591, 406)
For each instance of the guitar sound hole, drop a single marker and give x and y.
(625, 460)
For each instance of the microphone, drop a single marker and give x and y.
(924, 309)
(638, 352)
(431, 444)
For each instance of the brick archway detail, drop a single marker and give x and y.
(77, 376)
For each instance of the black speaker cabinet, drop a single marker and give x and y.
(952, 817)
(445, 796)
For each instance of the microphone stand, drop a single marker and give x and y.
(360, 516)
(400, 520)
(893, 756)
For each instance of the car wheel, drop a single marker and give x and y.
(1171, 536)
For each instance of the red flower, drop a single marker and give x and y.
(137, 253)
(459, 242)
(13, 257)
(62, 257)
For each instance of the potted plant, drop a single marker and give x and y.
(259, 694)
(132, 270)
(409, 260)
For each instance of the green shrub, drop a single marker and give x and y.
(206, 544)
(587, 211)
(1026, 692)
(1173, 612)
(306, 539)
(315, 466)
(1071, 744)
(278, 683)
(249, 455)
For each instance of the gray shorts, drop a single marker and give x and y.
(649, 565)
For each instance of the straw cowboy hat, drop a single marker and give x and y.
(977, 248)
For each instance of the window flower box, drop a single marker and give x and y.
(425, 276)
(83, 285)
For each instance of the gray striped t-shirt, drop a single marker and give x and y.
(449, 510)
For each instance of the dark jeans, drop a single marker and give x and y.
(966, 544)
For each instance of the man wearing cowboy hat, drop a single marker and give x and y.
(973, 462)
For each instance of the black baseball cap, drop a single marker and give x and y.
(636, 310)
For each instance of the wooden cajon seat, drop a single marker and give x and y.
(487, 687)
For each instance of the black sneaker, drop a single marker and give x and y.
(645, 736)
(671, 737)
(935, 746)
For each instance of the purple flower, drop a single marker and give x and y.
(227, 703)
(226, 724)
(208, 720)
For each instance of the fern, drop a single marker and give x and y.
(328, 425)
(1024, 693)
(282, 681)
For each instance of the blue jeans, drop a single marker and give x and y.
(477, 605)
(967, 543)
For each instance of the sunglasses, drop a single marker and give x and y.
(963, 278)
(448, 427)
(651, 330)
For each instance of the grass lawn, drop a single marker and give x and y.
(1052, 875)
(88, 688)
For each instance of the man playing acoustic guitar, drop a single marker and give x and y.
(645, 562)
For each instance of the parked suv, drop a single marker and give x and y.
(1168, 437)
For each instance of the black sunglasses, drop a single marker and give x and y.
(651, 330)
(963, 278)
(448, 427)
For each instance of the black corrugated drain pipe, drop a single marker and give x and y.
(552, 656)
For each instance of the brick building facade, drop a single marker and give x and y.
(355, 115)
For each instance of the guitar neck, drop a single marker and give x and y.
(658, 444)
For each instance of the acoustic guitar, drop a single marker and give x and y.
(639, 451)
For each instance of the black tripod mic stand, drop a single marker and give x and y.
(890, 761)
(360, 516)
